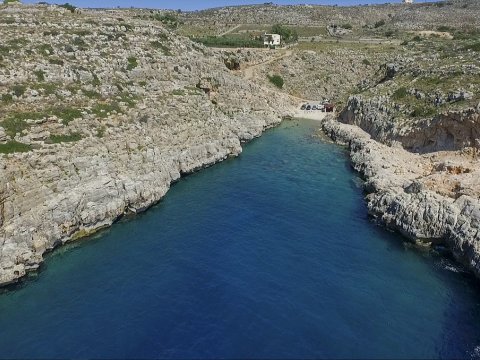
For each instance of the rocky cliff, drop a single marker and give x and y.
(101, 112)
(413, 131)
(420, 196)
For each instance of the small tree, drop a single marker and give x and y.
(287, 34)
(276, 80)
(69, 7)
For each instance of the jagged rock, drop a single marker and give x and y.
(459, 96)
(422, 201)
(391, 70)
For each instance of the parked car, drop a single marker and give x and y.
(308, 107)
(329, 107)
(314, 107)
(320, 107)
(303, 107)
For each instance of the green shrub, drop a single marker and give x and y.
(51, 33)
(178, 92)
(49, 88)
(78, 41)
(14, 147)
(4, 50)
(40, 74)
(19, 90)
(366, 62)
(423, 111)
(288, 35)
(7, 98)
(225, 41)
(168, 19)
(101, 131)
(127, 98)
(56, 139)
(379, 23)
(56, 62)
(132, 63)
(82, 32)
(101, 110)
(8, 20)
(67, 114)
(91, 94)
(347, 26)
(114, 36)
(96, 80)
(474, 47)
(444, 28)
(158, 45)
(400, 93)
(46, 49)
(276, 80)
(69, 49)
(16, 123)
(69, 7)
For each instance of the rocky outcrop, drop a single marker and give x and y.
(448, 131)
(404, 192)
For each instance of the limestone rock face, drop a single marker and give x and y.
(449, 131)
(120, 110)
(421, 196)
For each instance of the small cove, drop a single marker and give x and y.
(270, 255)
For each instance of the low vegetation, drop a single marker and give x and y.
(67, 114)
(19, 90)
(14, 147)
(229, 41)
(400, 93)
(57, 139)
(288, 35)
(276, 80)
(45, 49)
(159, 45)
(40, 74)
(170, 20)
(102, 110)
(7, 98)
(132, 63)
(69, 7)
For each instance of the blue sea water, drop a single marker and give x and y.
(270, 255)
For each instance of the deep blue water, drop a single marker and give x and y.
(270, 255)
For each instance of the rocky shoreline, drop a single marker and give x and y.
(106, 197)
(101, 116)
(397, 196)
(103, 109)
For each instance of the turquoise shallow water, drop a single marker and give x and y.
(267, 255)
